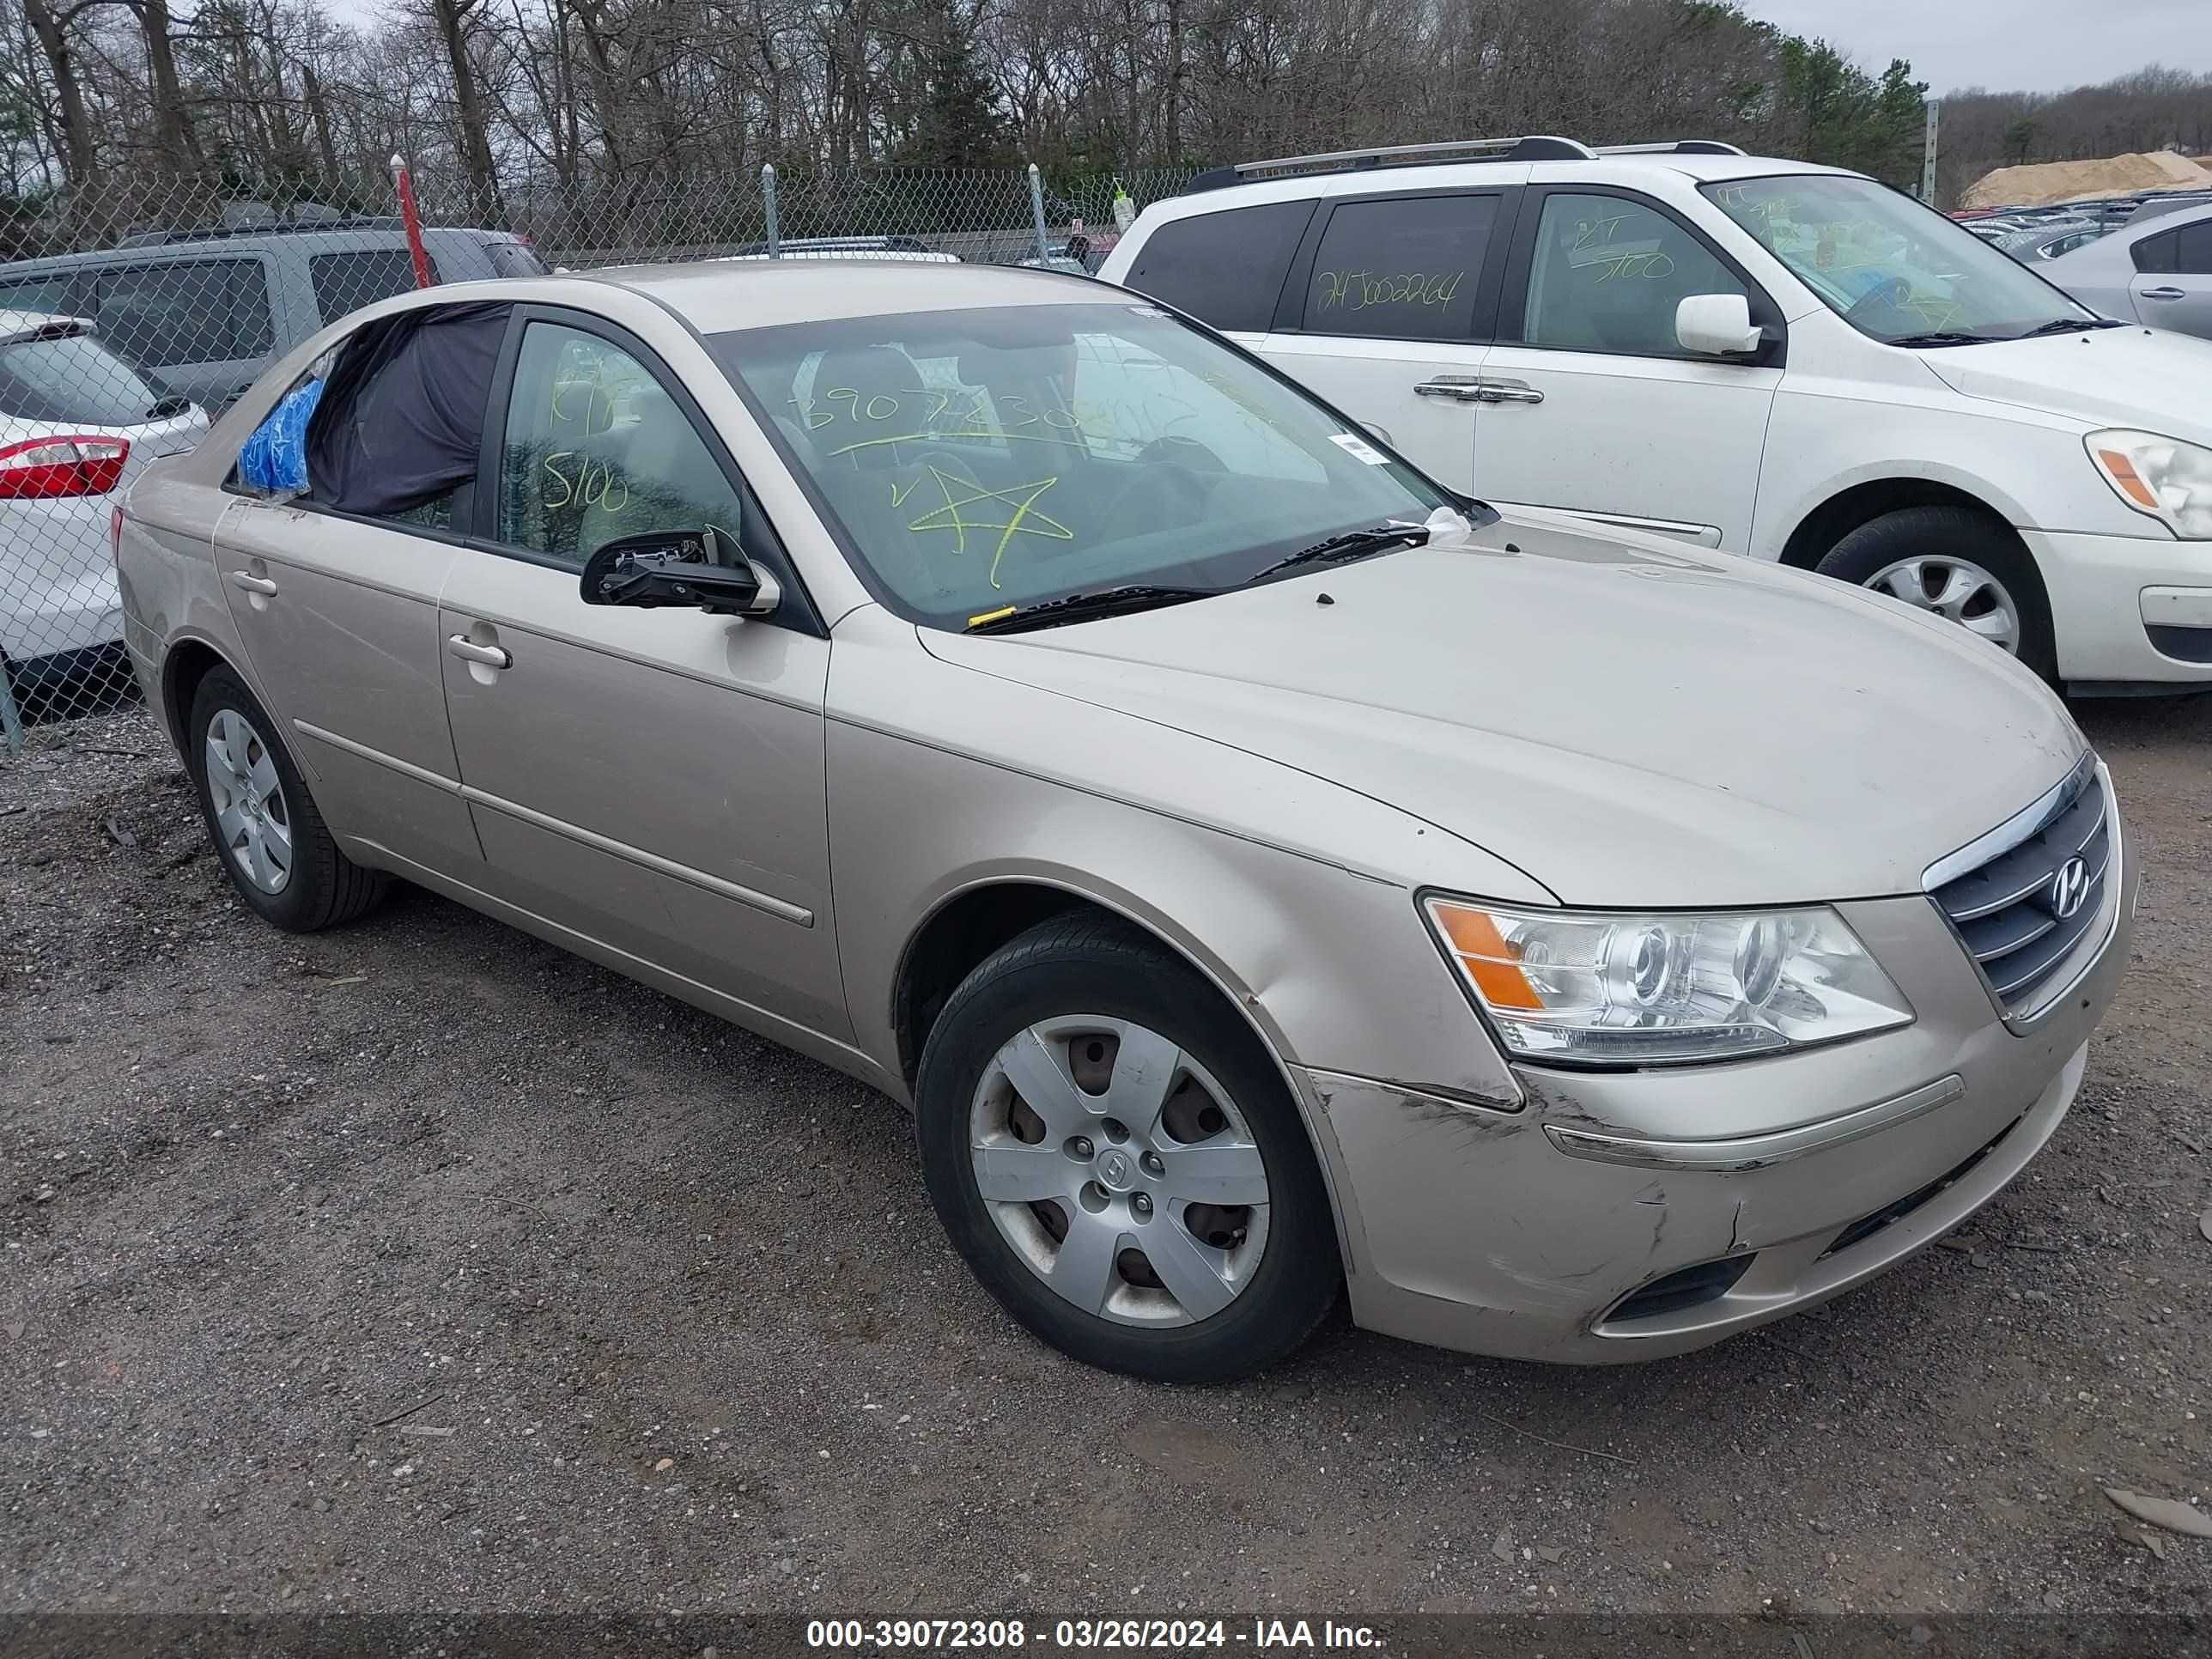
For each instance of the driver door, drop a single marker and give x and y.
(1599, 410)
(649, 780)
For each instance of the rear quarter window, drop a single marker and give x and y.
(347, 281)
(1226, 268)
(2155, 255)
(49, 292)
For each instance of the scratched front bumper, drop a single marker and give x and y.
(1468, 1228)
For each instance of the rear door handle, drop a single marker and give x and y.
(252, 583)
(491, 656)
(2165, 294)
(1507, 391)
(1462, 391)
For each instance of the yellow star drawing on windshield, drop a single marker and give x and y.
(1020, 500)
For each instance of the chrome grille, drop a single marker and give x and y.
(2011, 910)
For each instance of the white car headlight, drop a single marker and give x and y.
(1664, 988)
(2168, 479)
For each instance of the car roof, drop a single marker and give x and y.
(715, 296)
(307, 239)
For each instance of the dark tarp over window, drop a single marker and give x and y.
(401, 419)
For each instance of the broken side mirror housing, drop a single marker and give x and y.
(687, 567)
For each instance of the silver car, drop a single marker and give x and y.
(2156, 269)
(1265, 875)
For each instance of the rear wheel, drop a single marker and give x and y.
(1120, 1162)
(1959, 564)
(266, 827)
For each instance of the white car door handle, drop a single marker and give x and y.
(468, 650)
(2164, 294)
(1507, 391)
(1463, 392)
(252, 583)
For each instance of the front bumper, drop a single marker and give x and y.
(2116, 599)
(1522, 1233)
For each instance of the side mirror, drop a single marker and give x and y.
(1717, 326)
(678, 568)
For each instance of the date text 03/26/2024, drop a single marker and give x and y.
(999, 1635)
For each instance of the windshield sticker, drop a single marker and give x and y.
(1359, 449)
(1144, 311)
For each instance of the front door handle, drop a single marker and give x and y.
(491, 656)
(2165, 294)
(1507, 391)
(252, 583)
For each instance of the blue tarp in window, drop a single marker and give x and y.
(274, 461)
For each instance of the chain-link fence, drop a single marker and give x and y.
(131, 316)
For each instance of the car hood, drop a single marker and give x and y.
(1629, 724)
(2131, 376)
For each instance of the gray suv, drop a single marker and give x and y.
(205, 311)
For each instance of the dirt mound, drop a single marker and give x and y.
(2040, 183)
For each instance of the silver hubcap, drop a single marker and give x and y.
(1119, 1171)
(251, 815)
(1961, 589)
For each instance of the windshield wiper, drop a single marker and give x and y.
(1353, 545)
(1946, 337)
(1082, 607)
(2068, 325)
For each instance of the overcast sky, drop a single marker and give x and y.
(2040, 45)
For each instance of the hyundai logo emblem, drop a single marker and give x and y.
(2068, 888)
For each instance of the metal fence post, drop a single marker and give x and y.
(767, 200)
(1036, 210)
(11, 723)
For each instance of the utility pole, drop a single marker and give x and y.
(1928, 155)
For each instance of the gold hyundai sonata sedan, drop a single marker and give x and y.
(1265, 875)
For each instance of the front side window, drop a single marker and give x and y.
(1401, 268)
(187, 311)
(1609, 273)
(1892, 269)
(596, 449)
(980, 459)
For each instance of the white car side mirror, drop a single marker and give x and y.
(1716, 326)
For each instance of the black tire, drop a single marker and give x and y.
(324, 887)
(1091, 964)
(1962, 532)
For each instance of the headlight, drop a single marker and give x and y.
(2168, 479)
(1665, 988)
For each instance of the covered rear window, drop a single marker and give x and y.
(401, 417)
(73, 380)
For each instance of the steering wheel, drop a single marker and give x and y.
(1173, 475)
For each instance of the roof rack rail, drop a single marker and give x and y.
(1674, 147)
(264, 227)
(1537, 147)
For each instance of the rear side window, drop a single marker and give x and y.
(2192, 249)
(1404, 268)
(47, 293)
(2154, 256)
(72, 379)
(187, 311)
(347, 281)
(1226, 268)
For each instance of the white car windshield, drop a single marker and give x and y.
(977, 459)
(1890, 268)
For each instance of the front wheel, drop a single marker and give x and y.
(1114, 1153)
(1961, 564)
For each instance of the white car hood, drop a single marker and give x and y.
(1631, 726)
(2130, 377)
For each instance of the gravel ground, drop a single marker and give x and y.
(420, 1265)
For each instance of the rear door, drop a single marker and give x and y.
(1387, 313)
(1597, 409)
(2173, 285)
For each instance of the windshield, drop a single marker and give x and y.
(980, 459)
(1890, 267)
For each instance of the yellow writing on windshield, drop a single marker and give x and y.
(1018, 502)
